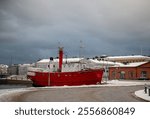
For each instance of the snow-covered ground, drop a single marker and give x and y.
(141, 94)
(8, 94)
(11, 91)
(110, 83)
(126, 82)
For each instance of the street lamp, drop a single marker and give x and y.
(51, 59)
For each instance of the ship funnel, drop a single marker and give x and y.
(60, 58)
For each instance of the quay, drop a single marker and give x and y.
(15, 80)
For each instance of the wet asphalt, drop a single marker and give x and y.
(82, 94)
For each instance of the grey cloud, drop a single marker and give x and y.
(34, 27)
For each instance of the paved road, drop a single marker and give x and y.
(96, 94)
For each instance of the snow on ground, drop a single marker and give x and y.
(127, 82)
(7, 94)
(141, 94)
(109, 83)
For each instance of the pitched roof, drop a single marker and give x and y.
(128, 57)
(135, 64)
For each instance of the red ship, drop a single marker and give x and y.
(85, 76)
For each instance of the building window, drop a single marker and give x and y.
(131, 75)
(143, 74)
(113, 74)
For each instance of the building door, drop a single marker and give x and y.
(122, 75)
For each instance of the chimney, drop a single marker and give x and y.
(60, 58)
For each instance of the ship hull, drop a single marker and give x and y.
(85, 77)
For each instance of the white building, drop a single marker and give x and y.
(18, 69)
(3, 69)
(23, 69)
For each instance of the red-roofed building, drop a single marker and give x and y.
(138, 70)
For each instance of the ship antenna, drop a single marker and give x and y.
(80, 54)
(141, 50)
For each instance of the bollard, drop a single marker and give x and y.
(145, 89)
(149, 91)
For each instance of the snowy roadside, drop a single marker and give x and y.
(7, 95)
(108, 84)
(127, 83)
(141, 94)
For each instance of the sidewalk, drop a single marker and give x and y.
(141, 94)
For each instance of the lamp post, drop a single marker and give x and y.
(50, 60)
(49, 75)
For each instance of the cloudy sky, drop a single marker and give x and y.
(33, 29)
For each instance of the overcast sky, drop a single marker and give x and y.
(33, 29)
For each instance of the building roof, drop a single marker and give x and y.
(103, 62)
(135, 64)
(128, 57)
